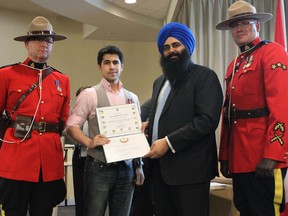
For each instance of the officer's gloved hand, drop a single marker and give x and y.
(224, 169)
(265, 168)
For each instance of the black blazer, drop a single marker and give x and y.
(189, 119)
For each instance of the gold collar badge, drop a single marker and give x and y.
(247, 47)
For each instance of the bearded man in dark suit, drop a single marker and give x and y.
(185, 111)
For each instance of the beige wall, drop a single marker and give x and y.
(76, 56)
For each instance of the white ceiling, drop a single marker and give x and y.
(104, 19)
(151, 8)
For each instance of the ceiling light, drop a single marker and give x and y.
(130, 1)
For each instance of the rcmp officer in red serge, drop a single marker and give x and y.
(31, 165)
(254, 138)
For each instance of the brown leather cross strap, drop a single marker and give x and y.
(48, 71)
(41, 126)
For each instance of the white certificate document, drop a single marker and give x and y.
(122, 125)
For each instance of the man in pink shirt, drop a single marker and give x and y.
(104, 182)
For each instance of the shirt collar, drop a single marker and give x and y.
(107, 85)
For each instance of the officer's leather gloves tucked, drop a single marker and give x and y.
(265, 168)
(224, 169)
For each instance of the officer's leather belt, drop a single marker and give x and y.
(246, 114)
(40, 126)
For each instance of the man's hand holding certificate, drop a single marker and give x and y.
(122, 125)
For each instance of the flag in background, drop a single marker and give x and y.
(280, 25)
(280, 37)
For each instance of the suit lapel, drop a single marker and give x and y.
(168, 101)
(155, 95)
(174, 89)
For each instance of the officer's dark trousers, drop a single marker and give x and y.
(255, 196)
(17, 197)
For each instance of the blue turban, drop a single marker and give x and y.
(179, 31)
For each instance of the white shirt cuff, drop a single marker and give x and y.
(169, 144)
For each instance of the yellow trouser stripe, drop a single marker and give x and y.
(278, 191)
(2, 213)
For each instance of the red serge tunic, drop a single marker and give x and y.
(23, 160)
(260, 80)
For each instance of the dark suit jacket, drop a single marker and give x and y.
(145, 110)
(189, 120)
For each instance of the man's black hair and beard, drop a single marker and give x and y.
(174, 69)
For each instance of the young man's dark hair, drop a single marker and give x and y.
(109, 50)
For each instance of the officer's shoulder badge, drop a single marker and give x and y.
(278, 65)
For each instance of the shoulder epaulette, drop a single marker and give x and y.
(10, 65)
(56, 70)
(265, 42)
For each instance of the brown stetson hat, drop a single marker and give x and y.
(40, 26)
(242, 10)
